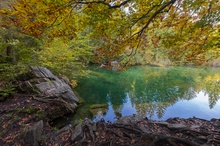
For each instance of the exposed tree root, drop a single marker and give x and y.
(151, 133)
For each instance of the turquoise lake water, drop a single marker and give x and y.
(153, 92)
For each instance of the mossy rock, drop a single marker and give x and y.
(95, 106)
(98, 112)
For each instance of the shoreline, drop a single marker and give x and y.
(22, 112)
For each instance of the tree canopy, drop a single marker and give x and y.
(184, 30)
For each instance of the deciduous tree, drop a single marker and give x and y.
(122, 24)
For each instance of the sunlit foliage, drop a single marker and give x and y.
(186, 30)
(66, 59)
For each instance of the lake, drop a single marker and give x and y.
(154, 92)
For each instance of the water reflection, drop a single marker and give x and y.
(158, 93)
(212, 89)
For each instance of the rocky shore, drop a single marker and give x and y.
(25, 119)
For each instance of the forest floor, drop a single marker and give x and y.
(21, 111)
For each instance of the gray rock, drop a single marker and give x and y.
(129, 120)
(65, 80)
(98, 110)
(202, 137)
(194, 126)
(53, 90)
(115, 65)
(215, 121)
(176, 126)
(77, 133)
(91, 124)
(37, 72)
(66, 128)
(41, 72)
(70, 96)
(144, 129)
(33, 134)
(162, 123)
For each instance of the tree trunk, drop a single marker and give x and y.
(8, 50)
(11, 54)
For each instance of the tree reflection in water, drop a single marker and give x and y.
(149, 90)
(212, 88)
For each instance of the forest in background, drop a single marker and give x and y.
(67, 35)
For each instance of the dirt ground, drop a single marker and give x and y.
(22, 111)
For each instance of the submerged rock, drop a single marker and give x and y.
(98, 110)
(95, 106)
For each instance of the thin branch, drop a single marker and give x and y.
(145, 15)
(55, 20)
(133, 52)
(168, 9)
(154, 15)
(187, 20)
(104, 3)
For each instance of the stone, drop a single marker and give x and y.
(33, 134)
(53, 90)
(115, 65)
(65, 80)
(202, 137)
(144, 129)
(194, 126)
(94, 106)
(70, 96)
(129, 120)
(77, 133)
(162, 123)
(36, 72)
(215, 121)
(98, 112)
(64, 129)
(41, 72)
(176, 126)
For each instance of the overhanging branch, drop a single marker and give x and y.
(171, 2)
(103, 2)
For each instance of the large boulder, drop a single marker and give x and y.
(48, 88)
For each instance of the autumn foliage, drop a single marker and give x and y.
(188, 31)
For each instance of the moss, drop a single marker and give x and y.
(38, 114)
(43, 138)
(95, 106)
(18, 110)
(6, 91)
(30, 110)
(77, 121)
(55, 129)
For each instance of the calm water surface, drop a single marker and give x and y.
(153, 92)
